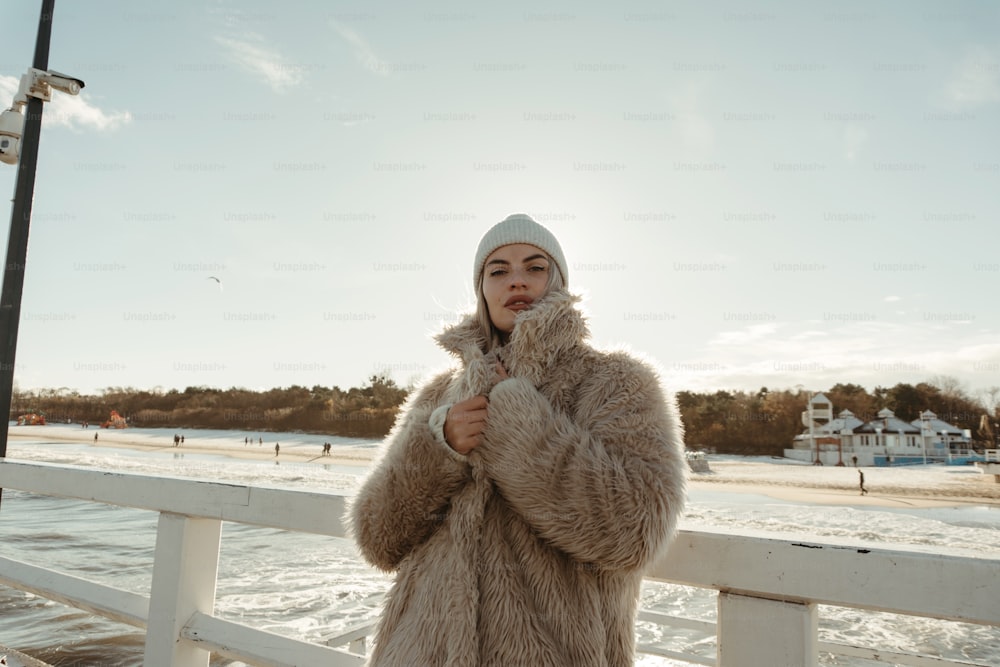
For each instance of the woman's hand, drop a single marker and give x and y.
(466, 421)
(464, 424)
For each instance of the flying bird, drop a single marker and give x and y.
(216, 280)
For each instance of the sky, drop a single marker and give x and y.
(787, 195)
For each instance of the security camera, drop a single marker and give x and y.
(36, 84)
(39, 84)
(64, 83)
(11, 124)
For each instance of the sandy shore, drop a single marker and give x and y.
(912, 486)
(909, 486)
(288, 451)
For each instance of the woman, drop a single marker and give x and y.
(521, 495)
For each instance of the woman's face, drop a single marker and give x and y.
(514, 277)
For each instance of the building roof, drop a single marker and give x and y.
(887, 422)
(820, 398)
(929, 421)
(844, 420)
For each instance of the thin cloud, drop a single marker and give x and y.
(867, 353)
(72, 111)
(855, 137)
(693, 128)
(749, 334)
(983, 356)
(976, 81)
(362, 50)
(808, 335)
(263, 62)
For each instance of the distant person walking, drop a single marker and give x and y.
(861, 482)
(277, 448)
(95, 437)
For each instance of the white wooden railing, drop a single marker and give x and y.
(768, 589)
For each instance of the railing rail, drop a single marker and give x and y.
(768, 589)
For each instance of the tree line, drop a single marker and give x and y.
(730, 422)
(364, 412)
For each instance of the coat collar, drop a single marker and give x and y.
(541, 333)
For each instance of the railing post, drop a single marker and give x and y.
(760, 632)
(185, 569)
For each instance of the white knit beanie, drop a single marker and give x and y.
(518, 228)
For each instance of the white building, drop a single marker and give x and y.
(834, 437)
(889, 437)
(885, 440)
(941, 437)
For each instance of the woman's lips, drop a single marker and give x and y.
(518, 303)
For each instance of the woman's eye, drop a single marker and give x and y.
(539, 268)
(497, 272)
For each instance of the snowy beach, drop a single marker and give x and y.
(933, 485)
(297, 447)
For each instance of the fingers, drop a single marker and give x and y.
(465, 423)
(501, 371)
(474, 403)
(471, 417)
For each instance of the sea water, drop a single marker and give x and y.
(313, 587)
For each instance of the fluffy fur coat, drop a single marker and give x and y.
(530, 550)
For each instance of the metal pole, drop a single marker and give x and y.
(20, 221)
(812, 432)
